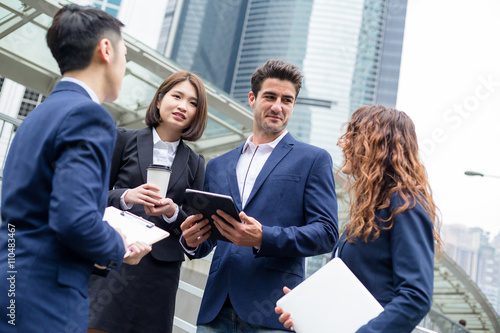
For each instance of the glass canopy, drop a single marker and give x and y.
(458, 297)
(26, 59)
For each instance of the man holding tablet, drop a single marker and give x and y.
(286, 194)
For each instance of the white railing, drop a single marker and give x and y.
(8, 127)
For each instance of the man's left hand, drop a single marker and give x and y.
(136, 252)
(248, 233)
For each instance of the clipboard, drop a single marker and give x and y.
(134, 227)
(207, 204)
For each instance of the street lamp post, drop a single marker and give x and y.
(474, 173)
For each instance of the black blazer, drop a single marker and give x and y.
(132, 155)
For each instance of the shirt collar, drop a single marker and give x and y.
(271, 144)
(157, 141)
(82, 84)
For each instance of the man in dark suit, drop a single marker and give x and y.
(287, 192)
(55, 182)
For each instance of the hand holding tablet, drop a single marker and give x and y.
(208, 203)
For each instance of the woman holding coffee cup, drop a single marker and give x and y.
(141, 298)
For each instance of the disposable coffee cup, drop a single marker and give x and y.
(159, 175)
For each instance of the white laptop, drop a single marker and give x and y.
(330, 300)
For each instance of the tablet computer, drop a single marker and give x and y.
(208, 203)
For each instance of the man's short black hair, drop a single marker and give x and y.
(76, 31)
(277, 69)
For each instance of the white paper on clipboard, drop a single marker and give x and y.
(134, 227)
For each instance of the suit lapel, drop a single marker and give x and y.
(179, 164)
(232, 161)
(281, 150)
(145, 151)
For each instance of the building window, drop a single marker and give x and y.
(109, 6)
(1, 83)
(31, 100)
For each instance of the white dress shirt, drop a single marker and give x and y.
(164, 154)
(250, 164)
(163, 151)
(82, 84)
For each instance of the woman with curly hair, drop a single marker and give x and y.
(390, 240)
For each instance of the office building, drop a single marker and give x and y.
(348, 51)
(479, 257)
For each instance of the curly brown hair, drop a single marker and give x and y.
(381, 158)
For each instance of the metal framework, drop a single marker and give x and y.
(458, 297)
(24, 23)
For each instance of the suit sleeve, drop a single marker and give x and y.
(412, 251)
(121, 137)
(320, 230)
(199, 177)
(207, 246)
(83, 150)
(116, 160)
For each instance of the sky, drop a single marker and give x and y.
(450, 87)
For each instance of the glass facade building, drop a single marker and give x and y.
(110, 6)
(205, 41)
(206, 38)
(378, 59)
(272, 30)
(328, 70)
(275, 30)
(348, 51)
(166, 25)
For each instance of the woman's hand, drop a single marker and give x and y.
(146, 195)
(165, 206)
(284, 316)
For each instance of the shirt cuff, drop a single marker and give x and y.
(123, 204)
(173, 218)
(190, 251)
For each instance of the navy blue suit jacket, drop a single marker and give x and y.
(294, 199)
(54, 193)
(397, 269)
